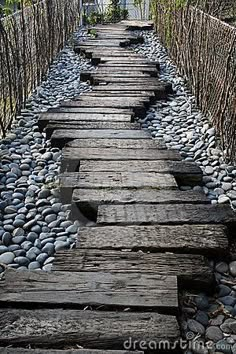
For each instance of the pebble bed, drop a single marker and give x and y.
(33, 222)
(209, 323)
(183, 127)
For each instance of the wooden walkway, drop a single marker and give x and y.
(143, 240)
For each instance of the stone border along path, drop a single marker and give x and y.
(143, 240)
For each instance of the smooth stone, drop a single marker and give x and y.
(223, 199)
(228, 300)
(209, 170)
(18, 239)
(41, 258)
(34, 265)
(18, 222)
(72, 229)
(18, 232)
(20, 253)
(59, 245)
(201, 302)
(32, 236)
(49, 249)
(232, 268)
(22, 261)
(202, 318)
(7, 257)
(50, 218)
(226, 186)
(44, 193)
(6, 238)
(3, 249)
(222, 267)
(47, 267)
(214, 333)
(217, 321)
(223, 290)
(195, 326)
(26, 245)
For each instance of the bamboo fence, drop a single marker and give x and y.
(204, 49)
(29, 41)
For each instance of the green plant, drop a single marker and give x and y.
(114, 13)
(10, 5)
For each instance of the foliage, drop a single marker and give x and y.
(114, 13)
(94, 18)
(10, 5)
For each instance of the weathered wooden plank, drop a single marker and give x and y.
(66, 351)
(128, 86)
(190, 269)
(61, 137)
(117, 180)
(120, 79)
(165, 214)
(45, 118)
(128, 65)
(90, 288)
(91, 198)
(94, 329)
(109, 100)
(160, 90)
(141, 94)
(186, 173)
(199, 239)
(119, 154)
(91, 110)
(121, 144)
(79, 125)
(102, 102)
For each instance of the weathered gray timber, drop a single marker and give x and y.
(93, 329)
(199, 239)
(77, 288)
(46, 118)
(88, 200)
(186, 173)
(118, 180)
(165, 214)
(190, 269)
(120, 144)
(62, 136)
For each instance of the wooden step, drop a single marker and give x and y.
(114, 180)
(96, 79)
(141, 94)
(62, 136)
(165, 214)
(117, 154)
(90, 289)
(120, 144)
(87, 200)
(45, 118)
(71, 157)
(161, 90)
(73, 125)
(66, 351)
(99, 180)
(91, 110)
(191, 270)
(186, 173)
(92, 329)
(195, 239)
